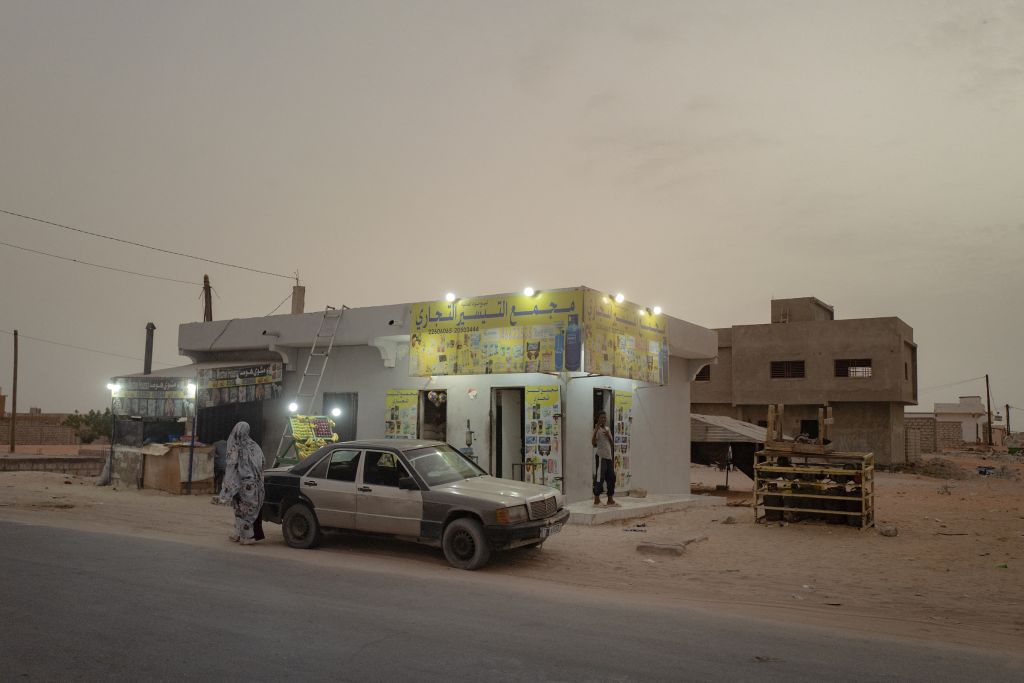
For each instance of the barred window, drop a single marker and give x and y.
(853, 367)
(704, 375)
(787, 369)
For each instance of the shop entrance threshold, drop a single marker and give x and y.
(588, 514)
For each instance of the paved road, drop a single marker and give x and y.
(86, 606)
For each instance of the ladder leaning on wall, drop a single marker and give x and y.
(316, 366)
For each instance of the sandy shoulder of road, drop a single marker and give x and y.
(955, 572)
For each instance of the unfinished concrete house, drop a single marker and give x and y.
(865, 368)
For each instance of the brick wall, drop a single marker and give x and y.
(43, 430)
(948, 435)
(925, 425)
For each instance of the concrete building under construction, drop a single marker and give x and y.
(865, 369)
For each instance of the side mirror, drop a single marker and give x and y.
(408, 484)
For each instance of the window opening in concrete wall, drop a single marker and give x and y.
(787, 369)
(704, 374)
(853, 367)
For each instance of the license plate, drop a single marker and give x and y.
(549, 530)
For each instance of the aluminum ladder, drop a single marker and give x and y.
(316, 366)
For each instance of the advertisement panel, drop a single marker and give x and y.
(623, 340)
(240, 384)
(622, 427)
(152, 397)
(497, 334)
(543, 436)
(401, 413)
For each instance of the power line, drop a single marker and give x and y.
(97, 265)
(82, 348)
(278, 306)
(953, 384)
(145, 246)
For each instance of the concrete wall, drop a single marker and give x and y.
(801, 309)
(948, 435)
(82, 467)
(659, 447)
(924, 425)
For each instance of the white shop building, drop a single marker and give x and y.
(516, 378)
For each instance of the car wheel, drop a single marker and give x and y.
(464, 544)
(300, 528)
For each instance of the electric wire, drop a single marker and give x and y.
(952, 384)
(97, 265)
(278, 306)
(146, 246)
(22, 335)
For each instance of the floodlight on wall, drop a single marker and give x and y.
(293, 407)
(114, 388)
(619, 298)
(336, 412)
(656, 310)
(191, 389)
(449, 297)
(529, 291)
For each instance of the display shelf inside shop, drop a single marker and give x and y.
(838, 488)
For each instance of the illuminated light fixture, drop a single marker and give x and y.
(114, 388)
(657, 310)
(336, 412)
(529, 291)
(604, 299)
(449, 297)
(191, 390)
(292, 407)
(619, 298)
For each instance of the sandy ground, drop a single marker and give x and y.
(955, 572)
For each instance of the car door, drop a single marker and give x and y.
(331, 485)
(381, 506)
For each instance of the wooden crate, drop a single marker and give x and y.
(792, 486)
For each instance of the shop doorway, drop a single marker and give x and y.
(345, 422)
(810, 428)
(507, 445)
(216, 422)
(433, 415)
(604, 401)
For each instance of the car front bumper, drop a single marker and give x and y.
(503, 536)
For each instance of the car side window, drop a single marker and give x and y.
(342, 465)
(319, 470)
(383, 469)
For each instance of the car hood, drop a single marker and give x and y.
(500, 491)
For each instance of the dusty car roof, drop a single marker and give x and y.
(399, 444)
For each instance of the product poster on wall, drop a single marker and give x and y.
(400, 415)
(623, 340)
(497, 334)
(622, 430)
(543, 436)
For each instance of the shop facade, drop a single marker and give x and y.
(515, 381)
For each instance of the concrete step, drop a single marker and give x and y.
(588, 514)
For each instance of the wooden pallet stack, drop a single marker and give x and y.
(794, 481)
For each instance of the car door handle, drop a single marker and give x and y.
(309, 483)
(365, 489)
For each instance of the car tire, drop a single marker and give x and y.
(300, 527)
(465, 545)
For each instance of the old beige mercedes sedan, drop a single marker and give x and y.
(423, 491)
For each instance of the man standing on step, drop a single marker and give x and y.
(604, 457)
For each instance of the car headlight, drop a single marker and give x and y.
(512, 515)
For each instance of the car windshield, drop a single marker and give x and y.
(439, 465)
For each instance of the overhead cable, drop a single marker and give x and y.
(146, 246)
(22, 335)
(97, 265)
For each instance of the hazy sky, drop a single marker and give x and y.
(703, 156)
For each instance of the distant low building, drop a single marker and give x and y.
(969, 412)
(865, 369)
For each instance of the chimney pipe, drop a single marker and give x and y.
(298, 299)
(147, 364)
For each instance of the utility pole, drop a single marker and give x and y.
(1008, 432)
(14, 396)
(988, 408)
(147, 361)
(207, 300)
